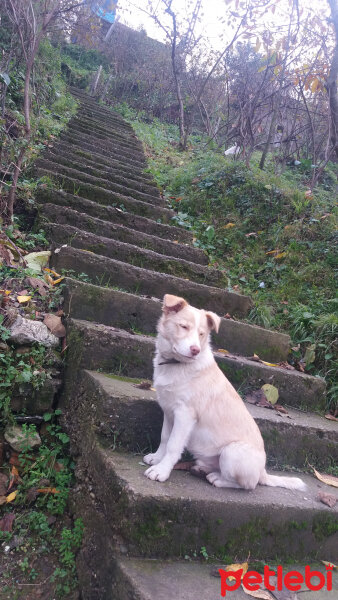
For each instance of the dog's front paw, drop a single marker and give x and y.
(151, 459)
(157, 473)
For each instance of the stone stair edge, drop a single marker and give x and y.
(131, 278)
(133, 254)
(143, 313)
(72, 185)
(107, 173)
(113, 348)
(133, 418)
(121, 189)
(104, 228)
(52, 197)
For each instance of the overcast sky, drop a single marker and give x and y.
(130, 12)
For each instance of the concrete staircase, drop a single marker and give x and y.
(110, 226)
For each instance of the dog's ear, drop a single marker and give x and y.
(213, 321)
(173, 304)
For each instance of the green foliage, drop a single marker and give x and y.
(79, 64)
(274, 242)
(16, 369)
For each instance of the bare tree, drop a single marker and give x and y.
(31, 20)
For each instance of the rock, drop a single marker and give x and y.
(26, 331)
(19, 439)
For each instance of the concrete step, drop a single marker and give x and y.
(113, 148)
(116, 351)
(127, 140)
(102, 172)
(104, 127)
(113, 215)
(133, 254)
(139, 313)
(97, 160)
(68, 216)
(151, 579)
(107, 197)
(132, 418)
(111, 273)
(185, 513)
(60, 170)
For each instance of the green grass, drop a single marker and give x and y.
(274, 242)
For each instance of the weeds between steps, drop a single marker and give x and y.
(38, 540)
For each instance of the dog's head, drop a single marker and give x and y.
(185, 328)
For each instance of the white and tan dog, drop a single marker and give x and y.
(202, 410)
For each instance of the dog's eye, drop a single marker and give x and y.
(184, 326)
(201, 333)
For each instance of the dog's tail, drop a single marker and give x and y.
(291, 483)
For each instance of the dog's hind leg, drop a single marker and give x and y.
(240, 467)
(206, 465)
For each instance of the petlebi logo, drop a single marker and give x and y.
(292, 580)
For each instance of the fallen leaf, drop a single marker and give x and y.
(325, 478)
(280, 255)
(52, 272)
(236, 567)
(11, 496)
(55, 325)
(184, 465)
(14, 477)
(144, 385)
(6, 523)
(223, 351)
(269, 364)
(271, 393)
(6, 292)
(227, 316)
(23, 299)
(48, 490)
(38, 284)
(328, 499)
(229, 225)
(49, 279)
(58, 280)
(331, 417)
(37, 260)
(251, 234)
(310, 354)
(264, 594)
(329, 564)
(280, 408)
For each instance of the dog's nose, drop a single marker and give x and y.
(194, 350)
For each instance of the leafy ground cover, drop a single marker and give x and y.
(272, 235)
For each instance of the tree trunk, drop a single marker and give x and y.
(331, 83)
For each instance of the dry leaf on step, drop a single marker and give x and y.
(325, 478)
(331, 417)
(261, 593)
(184, 465)
(271, 393)
(55, 325)
(328, 499)
(237, 567)
(143, 385)
(329, 564)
